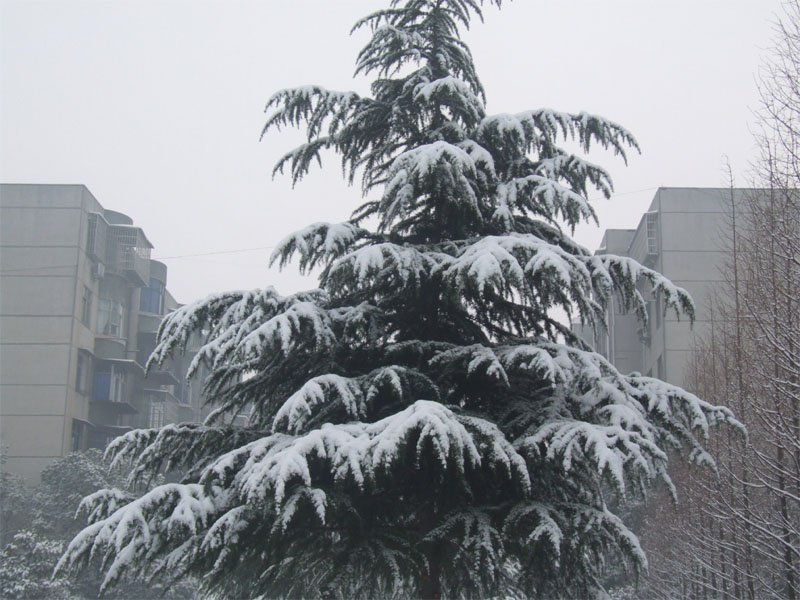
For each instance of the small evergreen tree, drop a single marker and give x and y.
(38, 523)
(421, 425)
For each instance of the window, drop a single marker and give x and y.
(86, 307)
(110, 317)
(152, 298)
(186, 392)
(98, 438)
(118, 387)
(650, 308)
(96, 237)
(156, 416)
(659, 311)
(652, 232)
(112, 307)
(75, 436)
(109, 385)
(82, 373)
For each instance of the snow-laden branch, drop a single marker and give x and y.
(441, 169)
(382, 265)
(317, 243)
(363, 452)
(542, 196)
(620, 274)
(141, 528)
(539, 130)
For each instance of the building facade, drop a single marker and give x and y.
(684, 235)
(80, 304)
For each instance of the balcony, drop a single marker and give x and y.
(101, 435)
(128, 253)
(110, 397)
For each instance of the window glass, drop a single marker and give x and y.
(109, 385)
(86, 307)
(82, 373)
(156, 416)
(659, 312)
(152, 298)
(110, 317)
(75, 437)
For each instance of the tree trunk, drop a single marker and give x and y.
(429, 586)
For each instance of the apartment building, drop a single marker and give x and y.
(80, 304)
(685, 235)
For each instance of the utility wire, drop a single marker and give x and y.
(213, 253)
(237, 251)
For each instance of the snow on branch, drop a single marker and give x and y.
(300, 323)
(311, 104)
(252, 324)
(621, 274)
(179, 326)
(140, 529)
(420, 33)
(185, 446)
(588, 518)
(687, 412)
(625, 454)
(524, 265)
(268, 469)
(438, 169)
(555, 535)
(316, 243)
(388, 264)
(544, 197)
(506, 261)
(474, 358)
(390, 48)
(574, 170)
(294, 413)
(454, 94)
(608, 134)
(539, 130)
(539, 522)
(590, 414)
(474, 544)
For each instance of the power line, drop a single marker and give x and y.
(614, 195)
(213, 253)
(240, 250)
(73, 265)
(4, 271)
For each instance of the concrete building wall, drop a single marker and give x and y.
(39, 246)
(60, 353)
(685, 236)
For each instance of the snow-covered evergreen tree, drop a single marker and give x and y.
(421, 425)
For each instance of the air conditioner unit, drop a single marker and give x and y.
(98, 271)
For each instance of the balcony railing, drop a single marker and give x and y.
(97, 237)
(129, 253)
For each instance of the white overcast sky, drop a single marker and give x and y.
(157, 106)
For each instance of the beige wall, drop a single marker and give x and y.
(40, 235)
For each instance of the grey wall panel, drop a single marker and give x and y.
(32, 399)
(29, 227)
(42, 195)
(33, 435)
(34, 364)
(35, 330)
(45, 296)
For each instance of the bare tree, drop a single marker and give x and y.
(737, 533)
